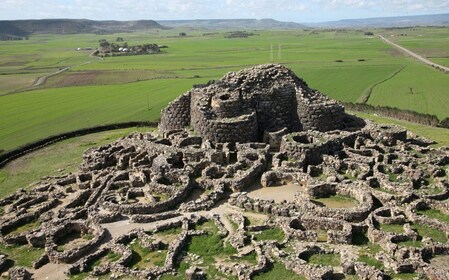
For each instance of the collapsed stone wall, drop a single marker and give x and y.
(317, 112)
(246, 105)
(177, 114)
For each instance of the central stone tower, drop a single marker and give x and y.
(252, 104)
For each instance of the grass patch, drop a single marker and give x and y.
(410, 243)
(144, 258)
(66, 155)
(435, 214)
(210, 247)
(436, 234)
(186, 63)
(22, 255)
(403, 276)
(324, 259)
(392, 228)
(278, 271)
(208, 226)
(367, 255)
(250, 258)
(108, 258)
(425, 231)
(168, 235)
(181, 269)
(25, 228)
(270, 234)
(371, 261)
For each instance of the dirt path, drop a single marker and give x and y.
(41, 80)
(416, 56)
(51, 271)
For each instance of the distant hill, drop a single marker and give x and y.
(231, 24)
(403, 21)
(23, 28)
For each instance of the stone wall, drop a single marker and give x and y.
(317, 112)
(176, 115)
(246, 106)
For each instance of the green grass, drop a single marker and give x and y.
(181, 269)
(22, 255)
(278, 271)
(429, 87)
(324, 259)
(410, 243)
(371, 261)
(114, 95)
(403, 276)
(425, 231)
(270, 234)
(251, 258)
(368, 252)
(34, 115)
(436, 234)
(108, 258)
(143, 258)
(392, 228)
(435, 214)
(65, 155)
(210, 247)
(26, 227)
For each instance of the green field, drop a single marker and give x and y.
(342, 64)
(431, 43)
(54, 160)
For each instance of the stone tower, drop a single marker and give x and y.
(248, 105)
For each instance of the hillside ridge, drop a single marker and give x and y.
(73, 26)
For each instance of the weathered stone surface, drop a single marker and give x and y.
(255, 104)
(276, 132)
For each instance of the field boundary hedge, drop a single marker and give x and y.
(395, 113)
(39, 144)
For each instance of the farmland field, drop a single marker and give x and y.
(342, 64)
(428, 42)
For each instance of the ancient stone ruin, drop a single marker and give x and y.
(252, 172)
(252, 105)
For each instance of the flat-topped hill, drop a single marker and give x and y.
(73, 26)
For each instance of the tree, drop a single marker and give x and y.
(104, 43)
(119, 39)
(182, 34)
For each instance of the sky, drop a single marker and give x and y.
(301, 11)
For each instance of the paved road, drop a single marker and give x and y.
(416, 56)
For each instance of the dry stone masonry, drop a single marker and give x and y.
(369, 201)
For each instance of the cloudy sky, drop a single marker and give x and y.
(285, 10)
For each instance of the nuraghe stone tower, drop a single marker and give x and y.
(249, 105)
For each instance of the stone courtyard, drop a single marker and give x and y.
(245, 174)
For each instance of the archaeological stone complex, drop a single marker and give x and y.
(247, 175)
